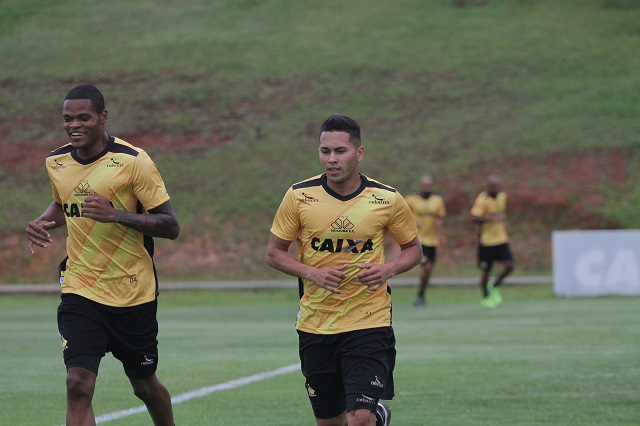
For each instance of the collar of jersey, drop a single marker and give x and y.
(363, 185)
(106, 149)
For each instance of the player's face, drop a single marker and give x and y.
(493, 188)
(340, 158)
(426, 185)
(84, 126)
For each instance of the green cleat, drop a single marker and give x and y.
(494, 294)
(488, 302)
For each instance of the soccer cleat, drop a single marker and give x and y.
(383, 414)
(419, 302)
(495, 295)
(488, 302)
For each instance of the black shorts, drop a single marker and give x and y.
(89, 330)
(348, 371)
(489, 254)
(428, 255)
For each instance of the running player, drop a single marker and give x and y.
(113, 200)
(488, 212)
(429, 211)
(339, 220)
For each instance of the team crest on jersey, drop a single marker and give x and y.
(342, 224)
(82, 189)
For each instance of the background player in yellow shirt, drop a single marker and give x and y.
(339, 220)
(429, 212)
(489, 213)
(112, 199)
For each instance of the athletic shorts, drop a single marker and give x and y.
(489, 254)
(348, 371)
(428, 255)
(89, 330)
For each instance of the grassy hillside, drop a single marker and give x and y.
(227, 97)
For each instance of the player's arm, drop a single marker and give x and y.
(278, 257)
(374, 275)
(38, 229)
(160, 222)
(484, 219)
(477, 219)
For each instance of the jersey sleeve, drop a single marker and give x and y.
(411, 203)
(54, 192)
(286, 222)
(147, 182)
(477, 209)
(402, 225)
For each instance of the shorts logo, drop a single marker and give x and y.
(64, 343)
(366, 399)
(310, 391)
(377, 382)
(147, 361)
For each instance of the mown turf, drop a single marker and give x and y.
(536, 360)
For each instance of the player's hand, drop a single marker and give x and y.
(373, 275)
(98, 208)
(37, 233)
(329, 278)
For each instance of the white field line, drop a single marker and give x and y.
(198, 393)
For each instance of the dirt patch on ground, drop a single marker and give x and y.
(561, 189)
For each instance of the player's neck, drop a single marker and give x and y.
(347, 187)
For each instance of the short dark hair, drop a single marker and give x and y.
(87, 91)
(342, 123)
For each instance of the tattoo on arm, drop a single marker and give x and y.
(160, 222)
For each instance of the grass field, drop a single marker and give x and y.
(536, 360)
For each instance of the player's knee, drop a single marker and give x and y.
(361, 417)
(146, 389)
(79, 387)
(142, 390)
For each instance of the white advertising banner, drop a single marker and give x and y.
(593, 263)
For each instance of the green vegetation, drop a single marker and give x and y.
(536, 360)
(437, 88)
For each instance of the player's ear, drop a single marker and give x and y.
(360, 153)
(103, 116)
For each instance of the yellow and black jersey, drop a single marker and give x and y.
(332, 230)
(427, 211)
(107, 262)
(491, 233)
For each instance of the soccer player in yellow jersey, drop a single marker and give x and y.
(489, 212)
(429, 211)
(339, 220)
(113, 200)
